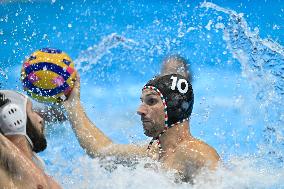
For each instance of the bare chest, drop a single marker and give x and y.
(171, 161)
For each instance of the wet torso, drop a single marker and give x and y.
(41, 180)
(187, 158)
(19, 171)
(34, 178)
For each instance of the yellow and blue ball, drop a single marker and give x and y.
(48, 75)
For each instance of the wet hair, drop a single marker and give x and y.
(182, 67)
(3, 101)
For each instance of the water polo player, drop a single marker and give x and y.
(166, 105)
(21, 135)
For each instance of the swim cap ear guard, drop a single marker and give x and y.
(177, 95)
(12, 117)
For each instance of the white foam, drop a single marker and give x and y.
(91, 56)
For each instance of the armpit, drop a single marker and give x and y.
(188, 173)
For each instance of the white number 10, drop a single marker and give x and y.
(177, 83)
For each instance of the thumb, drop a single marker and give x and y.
(76, 81)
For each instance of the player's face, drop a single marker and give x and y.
(35, 128)
(152, 113)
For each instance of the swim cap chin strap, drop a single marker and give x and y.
(166, 120)
(13, 116)
(177, 100)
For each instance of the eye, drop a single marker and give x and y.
(151, 101)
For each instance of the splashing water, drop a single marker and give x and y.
(262, 66)
(262, 63)
(88, 58)
(5, 78)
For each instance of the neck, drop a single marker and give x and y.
(174, 136)
(22, 144)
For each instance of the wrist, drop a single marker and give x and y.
(71, 105)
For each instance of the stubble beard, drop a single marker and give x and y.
(151, 129)
(37, 137)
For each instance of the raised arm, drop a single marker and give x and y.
(92, 139)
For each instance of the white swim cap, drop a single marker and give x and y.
(13, 114)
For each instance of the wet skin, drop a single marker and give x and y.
(16, 152)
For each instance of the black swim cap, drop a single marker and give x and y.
(177, 96)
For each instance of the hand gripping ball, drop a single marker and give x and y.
(48, 75)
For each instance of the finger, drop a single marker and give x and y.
(74, 78)
(77, 82)
(78, 77)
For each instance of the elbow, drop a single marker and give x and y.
(98, 150)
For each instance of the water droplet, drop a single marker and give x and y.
(29, 18)
(275, 27)
(44, 36)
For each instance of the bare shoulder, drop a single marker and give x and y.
(17, 171)
(191, 156)
(199, 152)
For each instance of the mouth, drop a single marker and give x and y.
(145, 120)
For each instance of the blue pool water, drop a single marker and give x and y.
(236, 56)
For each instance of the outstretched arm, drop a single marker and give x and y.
(92, 139)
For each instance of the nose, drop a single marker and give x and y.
(142, 110)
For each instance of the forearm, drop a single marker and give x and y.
(90, 137)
